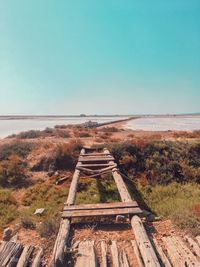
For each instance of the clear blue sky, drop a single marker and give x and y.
(99, 56)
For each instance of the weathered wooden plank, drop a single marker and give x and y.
(94, 159)
(86, 255)
(102, 206)
(175, 258)
(115, 254)
(137, 253)
(162, 255)
(101, 212)
(95, 154)
(10, 254)
(38, 258)
(193, 244)
(97, 165)
(198, 239)
(103, 254)
(189, 258)
(63, 233)
(123, 259)
(25, 257)
(145, 247)
(123, 191)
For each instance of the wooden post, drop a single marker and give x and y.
(63, 233)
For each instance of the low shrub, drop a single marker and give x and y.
(162, 162)
(63, 157)
(84, 134)
(29, 134)
(8, 207)
(49, 227)
(63, 126)
(27, 223)
(110, 129)
(12, 172)
(21, 149)
(61, 133)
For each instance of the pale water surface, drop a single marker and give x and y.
(14, 126)
(165, 123)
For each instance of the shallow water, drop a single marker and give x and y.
(165, 124)
(14, 126)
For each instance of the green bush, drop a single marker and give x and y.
(8, 207)
(64, 157)
(162, 162)
(27, 223)
(48, 228)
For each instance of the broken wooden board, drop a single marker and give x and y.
(101, 212)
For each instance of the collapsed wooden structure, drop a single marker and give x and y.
(94, 164)
(15, 254)
(168, 251)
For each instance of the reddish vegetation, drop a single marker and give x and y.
(196, 210)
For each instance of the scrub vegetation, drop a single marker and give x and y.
(165, 175)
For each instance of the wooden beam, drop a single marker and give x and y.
(124, 260)
(104, 254)
(137, 253)
(96, 165)
(161, 253)
(38, 258)
(123, 191)
(86, 255)
(63, 233)
(115, 254)
(113, 205)
(94, 154)
(10, 251)
(145, 247)
(25, 256)
(94, 159)
(101, 212)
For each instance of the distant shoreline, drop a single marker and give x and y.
(33, 117)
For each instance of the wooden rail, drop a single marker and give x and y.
(63, 233)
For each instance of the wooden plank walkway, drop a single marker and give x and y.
(96, 164)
